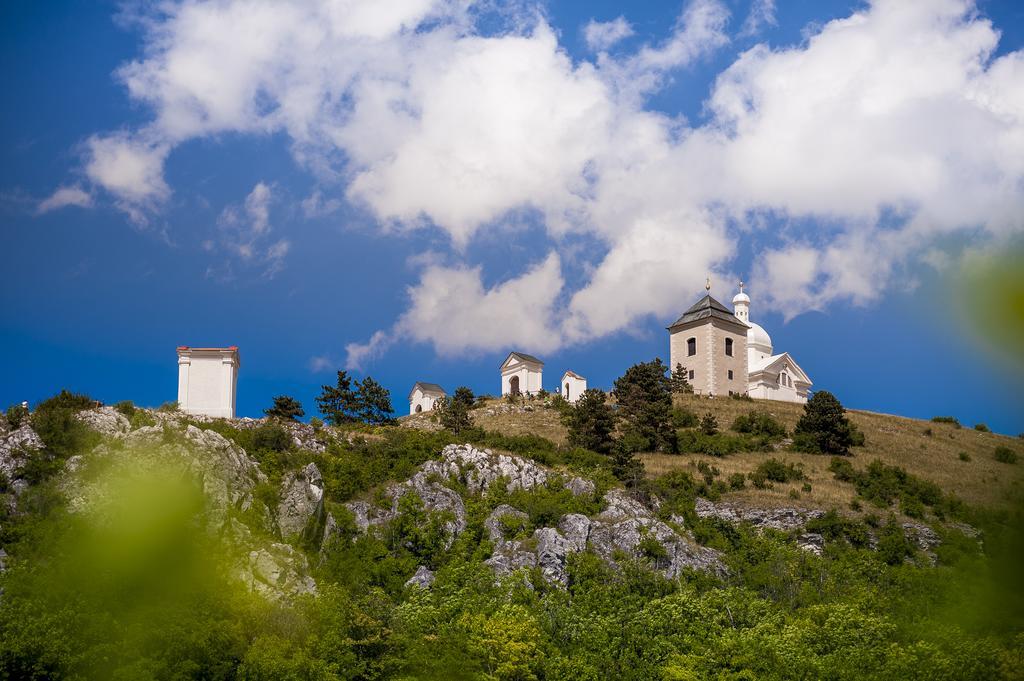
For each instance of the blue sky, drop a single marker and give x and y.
(414, 190)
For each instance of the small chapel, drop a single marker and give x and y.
(724, 353)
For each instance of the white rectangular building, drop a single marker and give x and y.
(521, 374)
(208, 380)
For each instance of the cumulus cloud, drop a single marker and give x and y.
(600, 35)
(869, 142)
(64, 197)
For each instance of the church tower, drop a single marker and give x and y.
(710, 342)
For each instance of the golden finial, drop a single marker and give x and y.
(707, 284)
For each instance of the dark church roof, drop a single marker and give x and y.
(523, 357)
(704, 308)
(427, 387)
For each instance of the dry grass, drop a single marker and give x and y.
(893, 439)
(542, 421)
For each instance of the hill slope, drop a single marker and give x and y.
(927, 450)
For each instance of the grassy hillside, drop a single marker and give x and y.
(928, 450)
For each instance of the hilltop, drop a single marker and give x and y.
(926, 449)
(139, 539)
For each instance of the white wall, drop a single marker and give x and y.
(530, 381)
(423, 401)
(208, 381)
(573, 388)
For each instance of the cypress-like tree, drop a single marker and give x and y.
(373, 402)
(824, 428)
(453, 412)
(679, 384)
(591, 422)
(339, 403)
(645, 402)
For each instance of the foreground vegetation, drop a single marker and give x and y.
(150, 594)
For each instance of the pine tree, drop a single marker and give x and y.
(453, 412)
(591, 422)
(679, 384)
(824, 428)
(339, 403)
(285, 407)
(709, 424)
(373, 402)
(645, 402)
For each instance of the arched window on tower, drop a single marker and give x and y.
(691, 347)
(728, 347)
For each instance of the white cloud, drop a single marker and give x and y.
(452, 310)
(244, 231)
(63, 197)
(762, 13)
(877, 136)
(600, 35)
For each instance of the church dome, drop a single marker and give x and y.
(740, 297)
(758, 338)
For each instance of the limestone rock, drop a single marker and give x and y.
(479, 469)
(106, 421)
(580, 487)
(13, 449)
(509, 557)
(625, 523)
(494, 526)
(782, 519)
(278, 572)
(435, 496)
(302, 497)
(552, 550)
(812, 542)
(423, 578)
(575, 527)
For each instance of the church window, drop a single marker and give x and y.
(728, 348)
(419, 408)
(691, 347)
(691, 374)
(730, 374)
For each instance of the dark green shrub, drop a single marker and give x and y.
(806, 487)
(1005, 455)
(720, 444)
(964, 456)
(737, 481)
(169, 407)
(927, 432)
(759, 423)
(126, 408)
(709, 424)
(285, 407)
(16, 415)
(743, 397)
(981, 428)
(833, 527)
(824, 428)
(271, 437)
(952, 420)
(774, 470)
(893, 545)
(684, 418)
(62, 434)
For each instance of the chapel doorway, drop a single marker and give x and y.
(566, 391)
(513, 385)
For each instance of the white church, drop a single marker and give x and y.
(725, 353)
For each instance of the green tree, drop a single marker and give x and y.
(824, 428)
(339, 403)
(453, 412)
(591, 422)
(373, 402)
(709, 424)
(645, 402)
(678, 383)
(285, 407)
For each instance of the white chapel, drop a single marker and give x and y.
(208, 380)
(723, 352)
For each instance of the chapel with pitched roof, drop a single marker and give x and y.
(723, 353)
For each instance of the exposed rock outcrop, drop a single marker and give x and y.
(14, 448)
(782, 519)
(278, 571)
(106, 421)
(623, 526)
(423, 578)
(302, 498)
